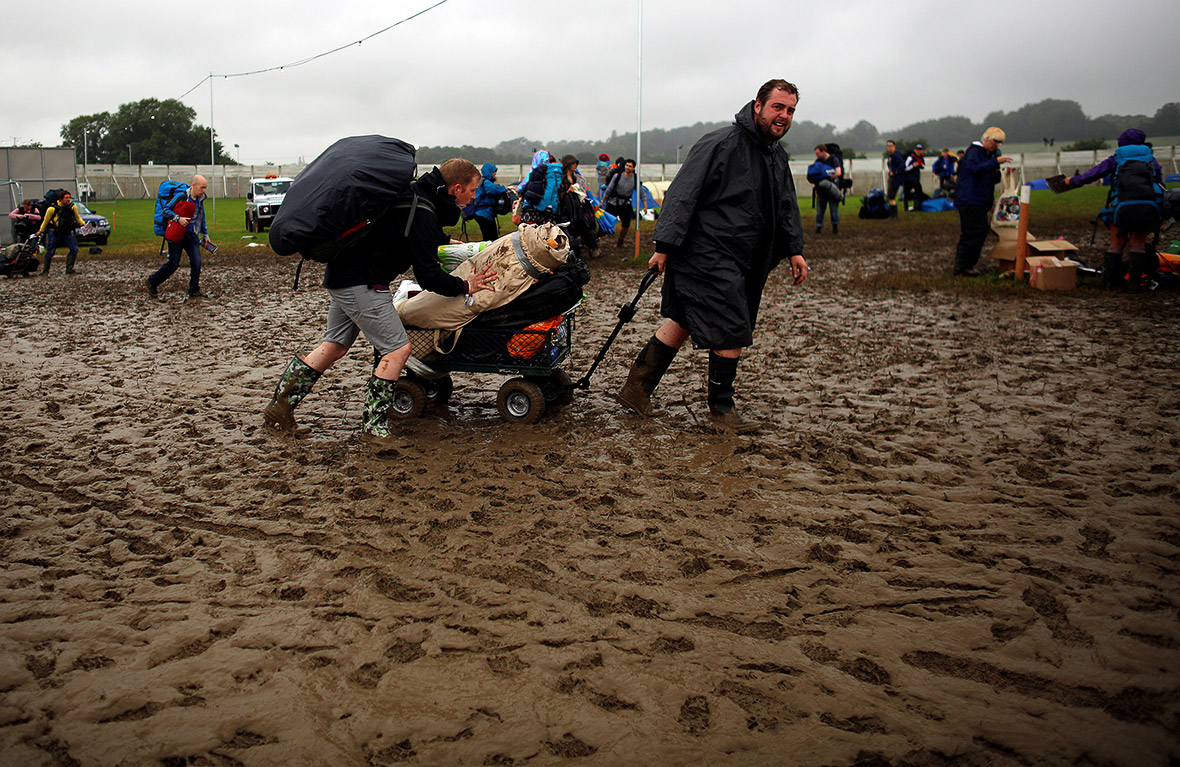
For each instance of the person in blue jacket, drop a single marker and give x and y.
(944, 169)
(485, 201)
(541, 191)
(196, 235)
(979, 172)
(825, 175)
(1132, 146)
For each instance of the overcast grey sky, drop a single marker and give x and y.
(482, 71)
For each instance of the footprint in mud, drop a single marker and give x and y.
(569, 747)
(1056, 619)
(862, 668)
(694, 715)
(368, 675)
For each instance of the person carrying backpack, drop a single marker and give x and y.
(825, 174)
(485, 202)
(617, 197)
(186, 209)
(1132, 209)
(358, 282)
(60, 220)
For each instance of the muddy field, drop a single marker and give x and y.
(956, 542)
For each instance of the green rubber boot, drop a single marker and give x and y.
(295, 384)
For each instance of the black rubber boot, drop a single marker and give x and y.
(1113, 271)
(295, 384)
(722, 410)
(1139, 265)
(646, 371)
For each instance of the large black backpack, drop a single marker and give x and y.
(1134, 201)
(334, 202)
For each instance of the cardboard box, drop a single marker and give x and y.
(1005, 250)
(1051, 273)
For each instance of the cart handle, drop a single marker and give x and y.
(626, 313)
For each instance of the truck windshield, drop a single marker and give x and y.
(272, 187)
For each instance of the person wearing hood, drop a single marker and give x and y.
(485, 202)
(979, 172)
(1115, 273)
(538, 194)
(359, 301)
(729, 217)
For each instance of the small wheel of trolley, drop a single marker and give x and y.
(557, 388)
(438, 390)
(520, 401)
(409, 400)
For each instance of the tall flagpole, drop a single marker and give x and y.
(212, 157)
(639, 198)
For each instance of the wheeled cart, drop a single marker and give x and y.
(532, 357)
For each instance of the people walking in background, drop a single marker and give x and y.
(894, 175)
(944, 168)
(26, 220)
(190, 216)
(915, 161)
(601, 169)
(485, 202)
(618, 195)
(60, 222)
(979, 172)
(825, 175)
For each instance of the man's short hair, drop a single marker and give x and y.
(770, 86)
(458, 171)
(821, 147)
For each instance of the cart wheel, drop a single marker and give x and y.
(520, 401)
(409, 400)
(438, 390)
(557, 388)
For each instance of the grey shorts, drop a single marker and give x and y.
(361, 309)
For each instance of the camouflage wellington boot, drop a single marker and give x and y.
(647, 370)
(295, 384)
(375, 417)
(722, 410)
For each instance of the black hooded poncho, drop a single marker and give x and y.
(728, 218)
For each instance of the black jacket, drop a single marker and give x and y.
(388, 251)
(728, 218)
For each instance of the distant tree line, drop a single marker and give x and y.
(164, 132)
(1052, 119)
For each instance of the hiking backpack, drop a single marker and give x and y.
(48, 201)
(333, 203)
(874, 204)
(167, 192)
(1134, 201)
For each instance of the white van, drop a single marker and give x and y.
(263, 200)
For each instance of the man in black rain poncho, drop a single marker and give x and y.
(728, 218)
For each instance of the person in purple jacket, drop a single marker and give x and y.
(1132, 147)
